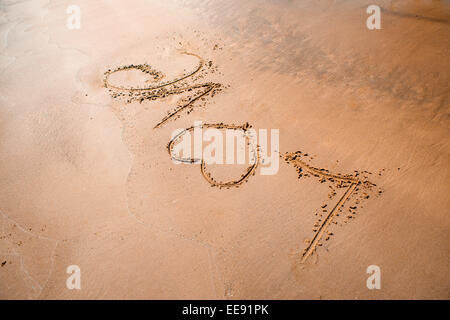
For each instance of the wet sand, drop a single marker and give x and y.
(86, 178)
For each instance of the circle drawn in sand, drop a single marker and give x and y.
(164, 89)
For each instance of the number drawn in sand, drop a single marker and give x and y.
(357, 189)
(182, 84)
(213, 182)
(357, 186)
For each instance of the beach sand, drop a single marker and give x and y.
(86, 179)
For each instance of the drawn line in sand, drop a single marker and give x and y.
(352, 184)
(214, 183)
(35, 286)
(164, 89)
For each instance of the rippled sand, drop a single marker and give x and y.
(86, 180)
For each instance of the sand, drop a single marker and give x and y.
(86, 178)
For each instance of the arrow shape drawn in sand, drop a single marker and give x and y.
(350, 182)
